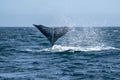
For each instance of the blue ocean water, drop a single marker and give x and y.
(84, 53)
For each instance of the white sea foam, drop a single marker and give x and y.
(59, 48)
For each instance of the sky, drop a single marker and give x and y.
(60, 12)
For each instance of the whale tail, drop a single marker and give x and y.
(52, 34)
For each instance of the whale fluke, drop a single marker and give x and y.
(52, 34)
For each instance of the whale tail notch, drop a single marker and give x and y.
(52, 34)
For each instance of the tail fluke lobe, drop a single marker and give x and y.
(52, 34)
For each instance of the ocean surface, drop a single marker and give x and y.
(84, 53)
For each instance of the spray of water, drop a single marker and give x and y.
(81, 37)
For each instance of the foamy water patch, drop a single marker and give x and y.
(59, 48)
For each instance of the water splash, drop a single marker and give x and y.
(82, 37)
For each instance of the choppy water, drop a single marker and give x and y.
(82, 54)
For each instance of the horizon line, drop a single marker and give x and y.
(69, 26)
